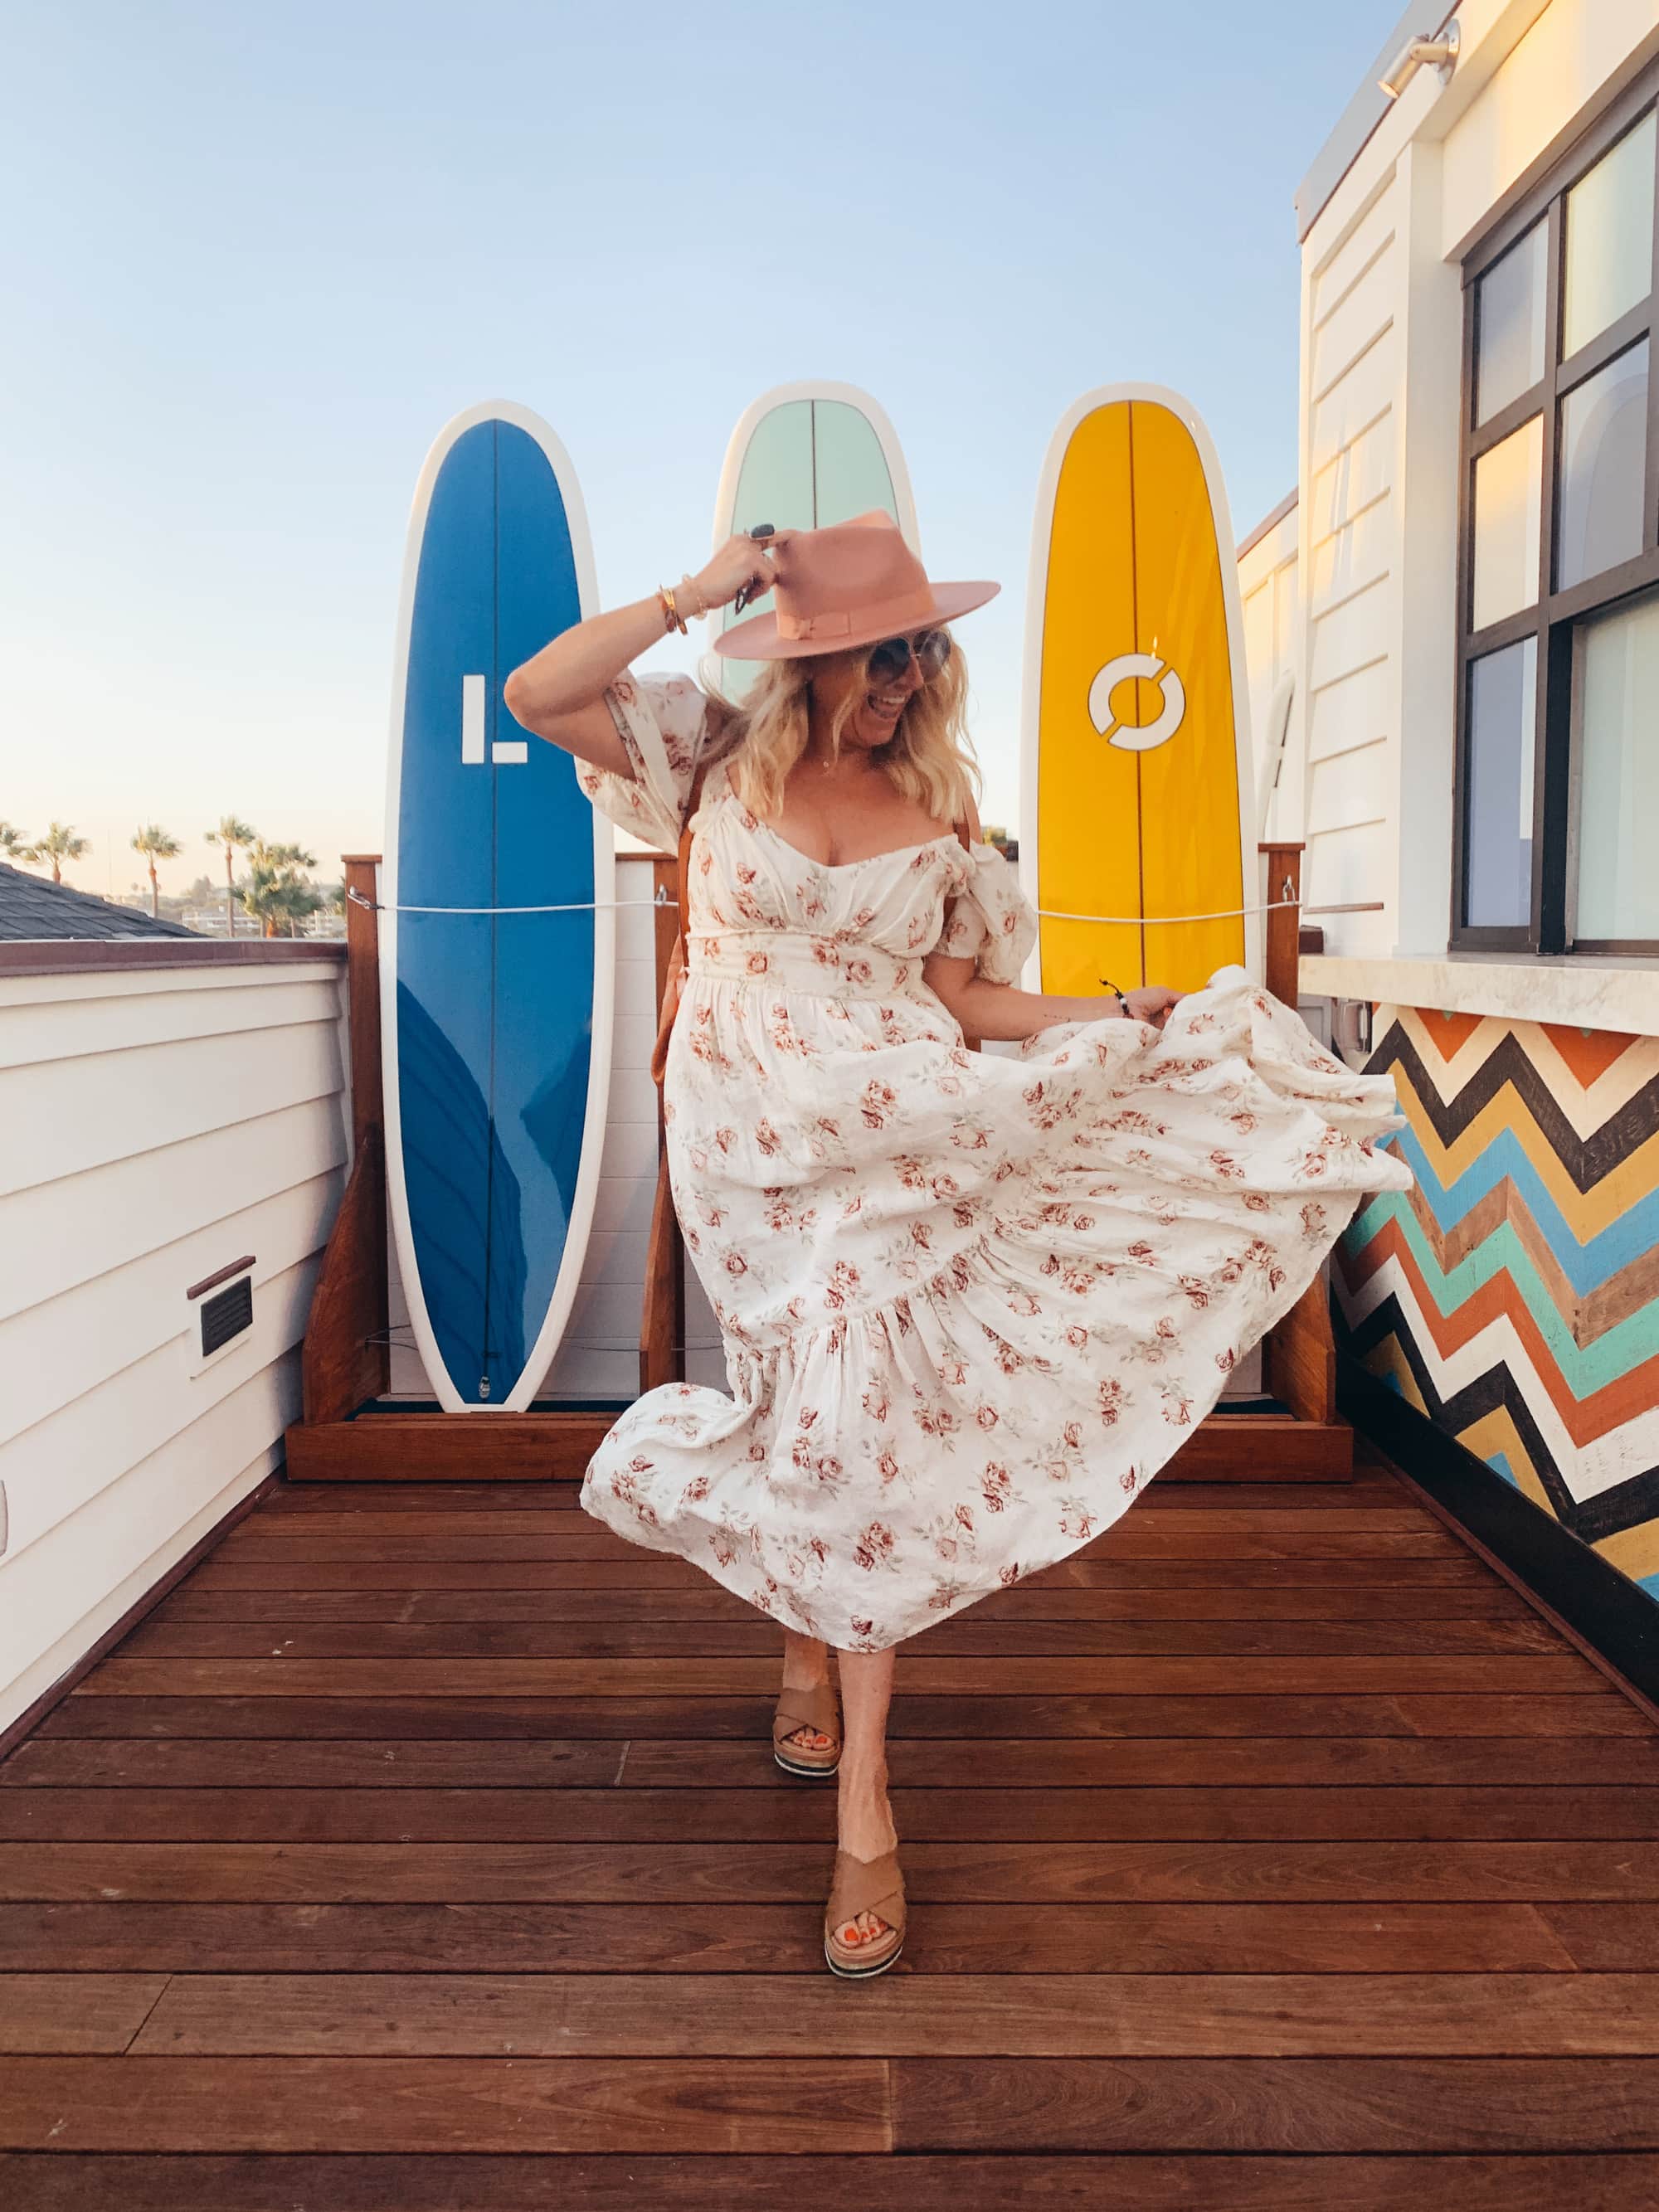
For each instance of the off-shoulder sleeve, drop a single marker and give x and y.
(990, 919)
(662, 721)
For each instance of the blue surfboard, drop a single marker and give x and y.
(496, 1026)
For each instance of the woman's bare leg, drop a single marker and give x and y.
(863, 1817)
(805, 1667)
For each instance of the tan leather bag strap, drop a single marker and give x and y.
(670, 996)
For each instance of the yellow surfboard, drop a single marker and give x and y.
(1135, 767)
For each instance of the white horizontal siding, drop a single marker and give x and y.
(1349, 711)
(84, 1573)
(1356, 476)
(1364, 396)
(1349, 865)
(160, 1124)
(1269, 587)
(1355, 328)
(1349, 790)
(1351, 556)
(1356, 631)
(1344, 267)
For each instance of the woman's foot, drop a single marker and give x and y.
(864, 1832)
(805, 1667)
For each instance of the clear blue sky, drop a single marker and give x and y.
(256, 258)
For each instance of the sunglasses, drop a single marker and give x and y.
(888, 661)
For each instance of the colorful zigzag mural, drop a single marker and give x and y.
(1513, 1295)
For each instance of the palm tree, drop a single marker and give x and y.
(13, 842)
(59, 844)
(234, 835)
(276, 889)
(155, 844)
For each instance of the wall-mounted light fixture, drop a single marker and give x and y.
(1439, 54)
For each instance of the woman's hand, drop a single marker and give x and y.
(1150, 1003)
(742, 560)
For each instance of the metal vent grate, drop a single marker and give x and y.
(227, 1315)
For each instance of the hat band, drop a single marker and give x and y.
(908, 607)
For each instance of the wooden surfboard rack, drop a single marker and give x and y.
(345, 1360)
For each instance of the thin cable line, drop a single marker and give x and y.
(1166, 921)
(576, 906)
(1047, 913)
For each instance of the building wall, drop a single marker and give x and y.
(1348, 564)
(1381, 366)
(1269, 588)
(1509, 1295)
(160, 1124)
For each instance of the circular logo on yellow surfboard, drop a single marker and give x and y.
(1132, 737)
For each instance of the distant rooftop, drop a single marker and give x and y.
(34, 907)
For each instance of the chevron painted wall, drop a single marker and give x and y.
(1510, 1296)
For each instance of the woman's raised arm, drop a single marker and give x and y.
(558, 693)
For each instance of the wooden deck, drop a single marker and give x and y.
(423, 1851)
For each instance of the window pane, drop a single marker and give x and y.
(1609, 238)
(1508, 492)
(1618, 669)
(1497, 807)
(1604, 448)
(1510, 324)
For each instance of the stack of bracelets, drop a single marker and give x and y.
(671, 617)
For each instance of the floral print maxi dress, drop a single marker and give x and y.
(970, 1303)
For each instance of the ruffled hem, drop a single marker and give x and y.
(844, 1456)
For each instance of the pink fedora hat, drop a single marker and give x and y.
(849, 584)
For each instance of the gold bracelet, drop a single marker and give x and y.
(674, 620)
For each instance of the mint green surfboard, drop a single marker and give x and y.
(802, 456)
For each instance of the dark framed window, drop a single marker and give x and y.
(1556, 799)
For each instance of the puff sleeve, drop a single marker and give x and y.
(990, 919)
(663, 722)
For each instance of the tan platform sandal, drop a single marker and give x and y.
(864, 1886)
(817, 1709)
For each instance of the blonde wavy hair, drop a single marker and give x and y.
(928, 758)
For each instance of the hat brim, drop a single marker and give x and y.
(759, 638)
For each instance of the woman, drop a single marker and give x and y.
(970, 1303)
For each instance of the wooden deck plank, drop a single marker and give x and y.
(139, 2103)
(1601, 1943)
(701, 1638)
(915, 1763)
(58, 2010)
(1373, 1488)
(1057, 1816)
(1600, 1712)
(479, 1870)
(1028, 1602)
(132, 1937)
(698, 2016)
(1270, 1848)
(1149, 2182)
(1517, 1674)
(1313, 2106)
(1202, 1531)
(1208, 1536)
(644, 1571)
